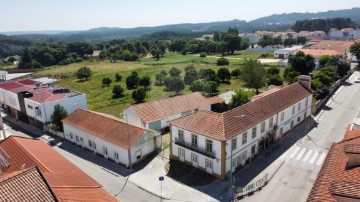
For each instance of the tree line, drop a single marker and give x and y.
(322, 24)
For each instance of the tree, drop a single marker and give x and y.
(58, 115)
(253, 74)
(273, 71)
(290, 75)
(302, 63)
(275, 80)
(174, 72)
(83, 73)
(301, 40)
(324, 59)
(343, 68)
(132, 81)
(222, 61)
(202, 55)
(210, 87)
(26, 60)
(190, 76)
(224, 74)
(139, 95)
(208, 75)
(240, 97)
(233, 42)
(197, 85)
(48, 60)
(118, 91)
(145, 82)
(106, 81)
(355, 50)
(174, 84)
(236, 73)
(117, 77)
(160, 78)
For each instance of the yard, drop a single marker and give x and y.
(99, 98)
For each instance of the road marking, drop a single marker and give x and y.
(301, 153)
(294, 152)
(312, 160)
(321, 159)
(308, 155)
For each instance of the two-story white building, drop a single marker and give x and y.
(110, 137)
(219, 143)
(34, 102)
(157, 114)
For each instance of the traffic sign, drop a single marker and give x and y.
(161, 178)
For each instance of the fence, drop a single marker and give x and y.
(54, 132)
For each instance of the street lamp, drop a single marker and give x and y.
(43, 103)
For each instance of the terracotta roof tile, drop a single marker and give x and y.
(27, 185)
(334, 169)
(336, 45)
(158, 109)
(104, 127)
(345, 188)
(352, 148)
(350, 134)
(225, 126)
(23, 153)
(317, 52)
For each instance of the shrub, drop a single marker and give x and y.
(222, 61)
(106, 81)
(139, 95)
(273, 71)
(117, 77)
(145, 82)
(236, 73)
(132, 81)
(190, 76)
(174, 72)
(223, 74)
(275, 80)
(203, 55)
(118, 91)
(83, 73)
(197, 85)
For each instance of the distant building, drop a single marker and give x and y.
(157, 114)
(286, 52)
(346, 33)
(13, 59)
(30, 170)
(33, 102)
(96, 53)
(220, 143)
(110, 137)
(339, 177)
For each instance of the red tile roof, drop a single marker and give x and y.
(28, 185)
(159, 109)
(225, 126)
(110, 129)
(316, 52)
(335, 45)
(345, 188)
(350, 134)
(334, 170)
(23, 153)
(352, 148)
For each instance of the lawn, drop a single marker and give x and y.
(99, 98)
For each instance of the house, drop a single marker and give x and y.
(110, 137)
(30, 170)
(346, 33)
(286, 52)
(12, 59)
(219, 143)
(156, 115)
(339, 177)
(33, 102)
(96, 53)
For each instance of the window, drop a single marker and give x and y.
(282, 116)
(244, 138)
(233, 143)
(181, 136)
(244, 155)
(71, 136)
(271, 122)
(298, 120)
(253, 149)
(299, 106)
(193, 140)
(116, 155)
(81, 140)
(293, 110)
(263, 127)
(234, 162)
(209, 145)
(238, 160)
(90, 143)
(37, 112)
(77, 138)
(105, 150)
(94, 145)
(194, 158)
(30, 107)
(253, 132)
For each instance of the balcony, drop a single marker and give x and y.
(197, 149)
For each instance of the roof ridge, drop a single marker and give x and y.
(165, 98)
(348, 139)
(26, 151)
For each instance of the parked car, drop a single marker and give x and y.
(357, 80)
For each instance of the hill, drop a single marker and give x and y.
(10, 45)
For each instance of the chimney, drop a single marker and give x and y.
(352, 151)
(305, 81)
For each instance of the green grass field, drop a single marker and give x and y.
(100, 98)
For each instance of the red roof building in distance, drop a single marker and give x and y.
(339, 177)
(34, 102)
(54, 178)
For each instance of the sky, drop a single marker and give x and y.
(39, 15)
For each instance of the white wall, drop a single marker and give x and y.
(336, 34)
(201, 143)
(131, 116)
(123, 153)
(145, 144)
(10, 99)
(70, 104)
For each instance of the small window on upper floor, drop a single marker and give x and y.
(282, 116)
(293, 110)
(299, 106)
(263, 127)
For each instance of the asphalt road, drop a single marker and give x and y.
(294, 179)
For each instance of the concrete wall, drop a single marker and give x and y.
(336, 34)
(10, 99)
(201, 143)
(131, 116)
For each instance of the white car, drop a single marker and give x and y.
(357, 80)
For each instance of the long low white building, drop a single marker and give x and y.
(110, 137)
(219, 143)
(33, 102)
(157, 114)
(286, 52)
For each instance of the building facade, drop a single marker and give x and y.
(221, 143)
(110, 137)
